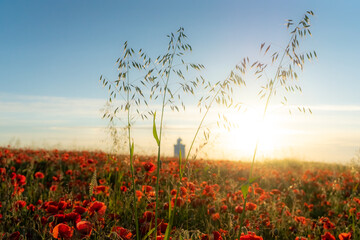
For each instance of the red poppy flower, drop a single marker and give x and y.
(31, 207)
(139, 195)
(59, 218)
(39, 175)
(102, 181)
(122, 233)
(224, 208)
(80, 210)
(345, 236)
(62, 205)
(250, 206)
(179, 202)
(98, 207)
(73, 216)
(183, 191)
(327, 236)
(85, 228)
(326, 223)
(250, 236)
(215, 216)
(148, 216)
(217, 235)
(52, 209)
(101, 189)
(21, 179)
(239, 209)
(162, 227)
(62, 231)
(259, 191)
(123, 188)
(20, 204)
(147, 189)
(18, 179)
(149, 167)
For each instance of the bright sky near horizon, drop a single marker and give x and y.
(53, 53)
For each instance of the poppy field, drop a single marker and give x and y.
(87, 195)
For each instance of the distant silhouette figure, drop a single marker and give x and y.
(179, 147)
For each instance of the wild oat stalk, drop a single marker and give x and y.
(220, 93)
(151, 82)
(130, 93)
(285, 76)
(215, 91)
(176, 49)
(93, 183)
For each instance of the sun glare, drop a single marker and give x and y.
(241, 141)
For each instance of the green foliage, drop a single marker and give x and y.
(155, 132)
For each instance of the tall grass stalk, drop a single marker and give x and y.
(124, 86)
(131, 151)
(156, 80)
(159, 142)
(176, 48)
(300, 29)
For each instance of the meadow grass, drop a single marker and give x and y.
(42, 191)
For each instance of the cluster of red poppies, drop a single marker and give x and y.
(88, 195)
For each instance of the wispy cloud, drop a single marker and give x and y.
(47, 105)
(332, 108)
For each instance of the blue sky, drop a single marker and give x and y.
(53, 53)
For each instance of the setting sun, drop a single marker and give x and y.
(242, 139)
